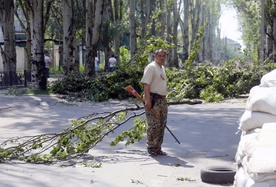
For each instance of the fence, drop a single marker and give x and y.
(11, 78)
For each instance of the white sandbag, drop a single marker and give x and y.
(246, 146)
(262, 99)
(268, 183)
(251, 120)
(256, 130)
(262, 177)
(263, 160)
(255, 177)
(267, 136)
(263, 156)
(241, 178)
(269, 79)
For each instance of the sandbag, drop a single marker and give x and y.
(246, 145)
(267, 183)
(262, 99)
(263, 158)
(242, 179)
(251, 120)
(269, 79)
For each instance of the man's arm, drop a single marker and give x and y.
(147, 95)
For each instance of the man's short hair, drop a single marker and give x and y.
(160, 50)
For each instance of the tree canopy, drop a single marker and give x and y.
(106, 26)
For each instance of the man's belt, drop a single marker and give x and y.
(154, 97)
(157, 96)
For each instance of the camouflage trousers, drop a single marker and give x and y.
(156, 127)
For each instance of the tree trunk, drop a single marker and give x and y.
(26, 27)
(262, 27)
(274, 33)
(186, 31)
(148, 14)
(69, 41)
(143, 17)
(28, 48)
(175, 31)
(39, 80)
(89, 61)
(105, 40)
(97, 26)
(161, 18)
(195, 19)
(153, 21)
(204, 50)
(269, 43)
(133, 37)
(8, 53)
(93, 25)
(169, 32)
(117, 19)
(209, 43)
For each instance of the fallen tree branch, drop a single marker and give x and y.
(82, 135)
(190, 102)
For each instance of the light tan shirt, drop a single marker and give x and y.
(155, 76)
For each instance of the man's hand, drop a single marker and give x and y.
(148, 104)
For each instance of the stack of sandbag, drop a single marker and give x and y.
(256, 153)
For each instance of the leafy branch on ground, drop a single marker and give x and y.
(76, 140)
(185, 179)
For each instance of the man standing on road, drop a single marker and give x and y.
(48, 62)
(97, 62)
(155, 90)
(111, 63)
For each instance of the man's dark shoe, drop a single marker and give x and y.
(155, 153)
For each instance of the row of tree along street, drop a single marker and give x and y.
(109, 25)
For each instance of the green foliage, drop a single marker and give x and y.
(55, 71)
(249, 20)
(72, 83)
(214, 83)
(210, 94)
(124, 56)
(93, 165)
(134, 134)
(207, 82)
(110, 85)
(185, 179)
(13, 91)
(195, 48)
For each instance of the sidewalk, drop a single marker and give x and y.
(207, 133)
